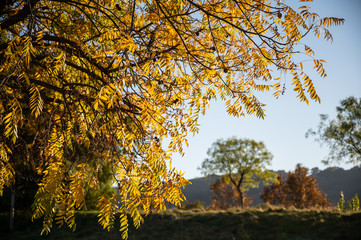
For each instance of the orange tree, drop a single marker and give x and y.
(117, 78)
(298, 190)
(224, 195)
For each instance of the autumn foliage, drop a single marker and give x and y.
(224, 195)
(299, 190)
(88, 83)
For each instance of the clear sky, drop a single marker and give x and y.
(283, 130)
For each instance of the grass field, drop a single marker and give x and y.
(269, 223)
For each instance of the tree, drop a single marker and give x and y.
(225, 196)
(343, 134)
(242, 162)
(298, 190)
(119, 77)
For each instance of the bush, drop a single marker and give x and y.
(354, 203)
(341, 202)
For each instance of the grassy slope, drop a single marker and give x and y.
(197, 224)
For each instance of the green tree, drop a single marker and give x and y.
(119, 77)
(342, 134)
(299, 190)
(242, 162)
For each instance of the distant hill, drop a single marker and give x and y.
(331, 181)
(334, 180)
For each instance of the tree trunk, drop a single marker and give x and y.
(12, 210)
(238, 186)
(241, 197)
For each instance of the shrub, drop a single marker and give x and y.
(354, 203)
(341, 202)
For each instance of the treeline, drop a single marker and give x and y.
(331, 181)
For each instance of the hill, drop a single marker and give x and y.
(331, 181)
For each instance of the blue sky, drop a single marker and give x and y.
(283, 130)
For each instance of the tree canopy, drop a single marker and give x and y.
(241, 162)
(299, 190)
(116, 78)
(342, 134)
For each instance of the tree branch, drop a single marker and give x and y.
(20, 16)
